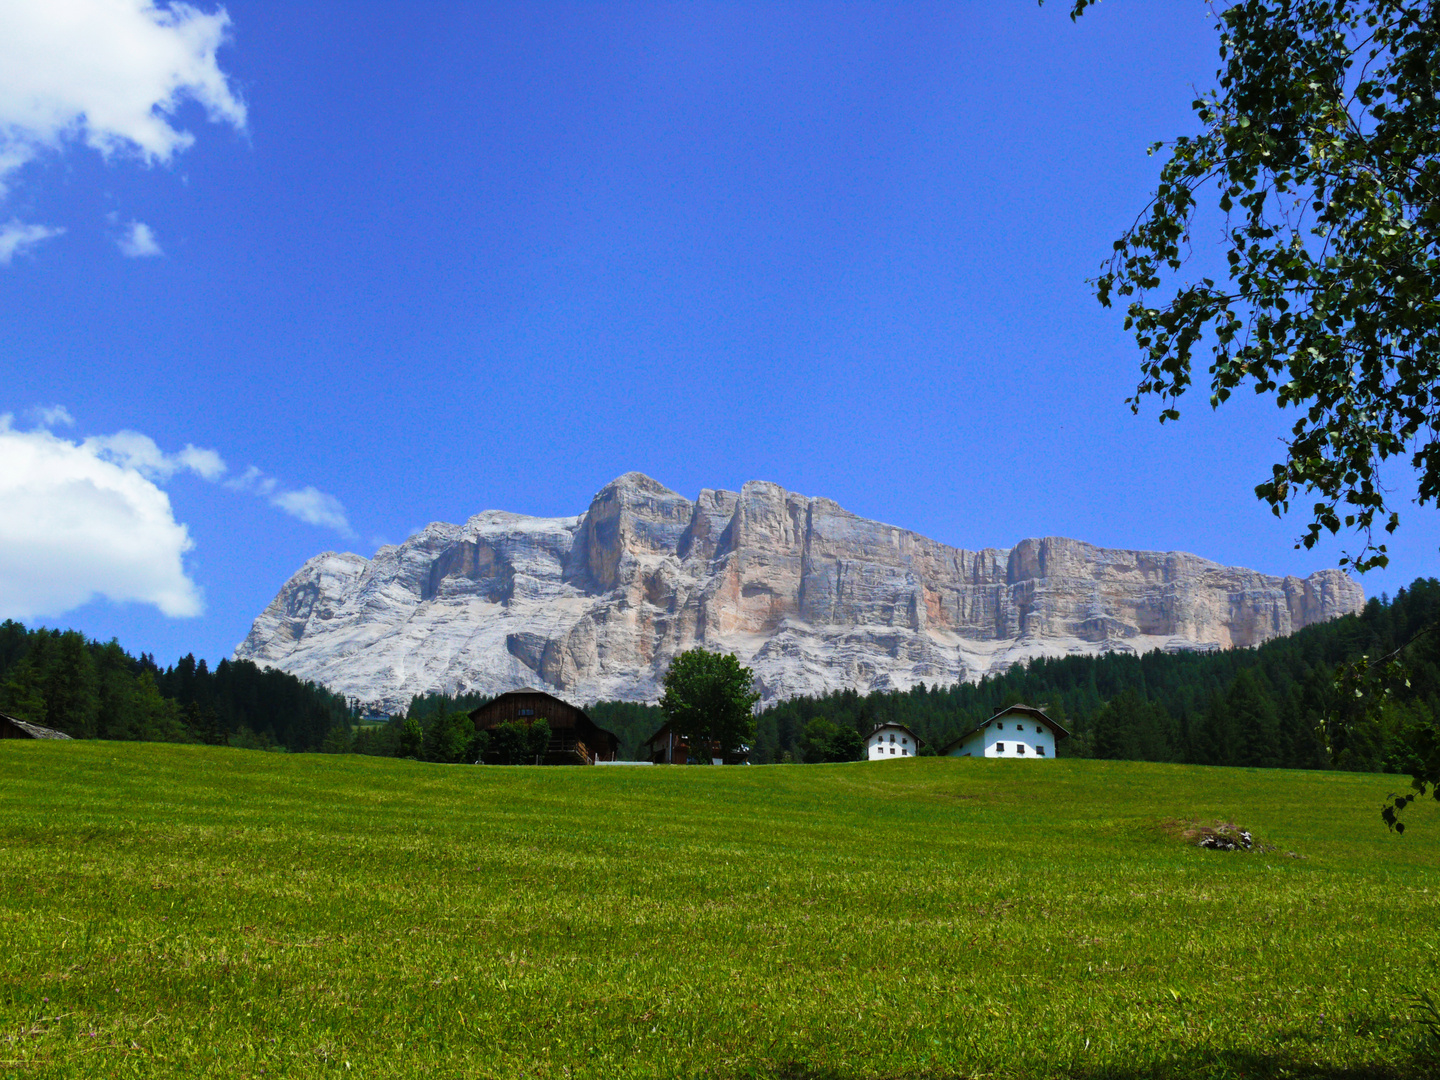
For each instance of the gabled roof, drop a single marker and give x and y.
(898, 727)
(664, 729)
(530, 691)
(1020, 710)
(526, 691)
(35, 731)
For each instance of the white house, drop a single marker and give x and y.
(1020, 731)
(892, 741)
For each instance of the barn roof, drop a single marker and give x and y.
(35, 731)
(664, 730)
(530, 691)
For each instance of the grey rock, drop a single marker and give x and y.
(809, 595)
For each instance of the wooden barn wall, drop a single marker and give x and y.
(556, 713)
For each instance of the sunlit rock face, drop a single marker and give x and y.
(811, 597)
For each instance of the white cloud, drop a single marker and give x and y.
(53, 416)
(134, 451)
(85, 519)
(76, 524)
(138, 241)
(314, 507)
(16, 237)
(309, 504)
(252, 479)
(110, 73)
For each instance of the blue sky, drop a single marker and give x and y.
(492, 256)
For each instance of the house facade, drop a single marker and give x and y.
(890, 741)
(575, 739)
(1021, 731)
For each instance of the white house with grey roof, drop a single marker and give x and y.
(889, 741)
(1021, 731)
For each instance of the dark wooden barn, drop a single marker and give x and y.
(667, 748)
(12, 728)
(575, 739)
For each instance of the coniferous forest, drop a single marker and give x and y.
(1262, 708)
(90, 689)
(1257, 707)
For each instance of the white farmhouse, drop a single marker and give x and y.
(892, 741)
(1020, 731)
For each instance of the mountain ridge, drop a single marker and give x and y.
(814, 598)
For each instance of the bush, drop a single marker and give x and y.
(519, 744)
(448, 738)
(826, 741)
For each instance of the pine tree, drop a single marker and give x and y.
(72, 691)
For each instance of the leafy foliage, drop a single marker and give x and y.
(513, 743)
(452, 738)
(632, 722)
(1320, 151)
(710, 699)
(827, 741)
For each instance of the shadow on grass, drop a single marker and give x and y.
(1231, 1066)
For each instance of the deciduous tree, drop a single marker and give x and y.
(709, 700)
(1319, 153)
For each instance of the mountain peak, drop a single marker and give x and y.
(810, 596)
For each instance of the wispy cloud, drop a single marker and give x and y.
(315, 507)
(132, 450)
(308, 504)
(52, 416)
(138, 454)
(16, 238)
(138, 241)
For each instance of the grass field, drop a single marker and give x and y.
(199, 911)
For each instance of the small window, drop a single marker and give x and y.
(906, 752)
(527, 712)
(1019, 748)
(892, 749)
(999, 727)
(1019, 727)
(999, 747)
(1039, 751)
(904, 741)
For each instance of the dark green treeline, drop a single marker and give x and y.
(89, 689)
(1250, 707)
(431, 716)
(1254, 707)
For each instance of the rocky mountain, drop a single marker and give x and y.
(809, 595)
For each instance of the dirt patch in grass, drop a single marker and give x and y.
(1217, 835)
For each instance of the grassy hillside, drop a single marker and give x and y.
(208, 911)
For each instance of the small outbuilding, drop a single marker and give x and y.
(575, 739)
(667, 748)
(892, 740)
(1021, 731)
(14, 728)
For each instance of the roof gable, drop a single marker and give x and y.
(1029, 711)
(890, 726)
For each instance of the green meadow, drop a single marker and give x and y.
(205, 911)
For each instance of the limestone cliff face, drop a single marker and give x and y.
(810, 596)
